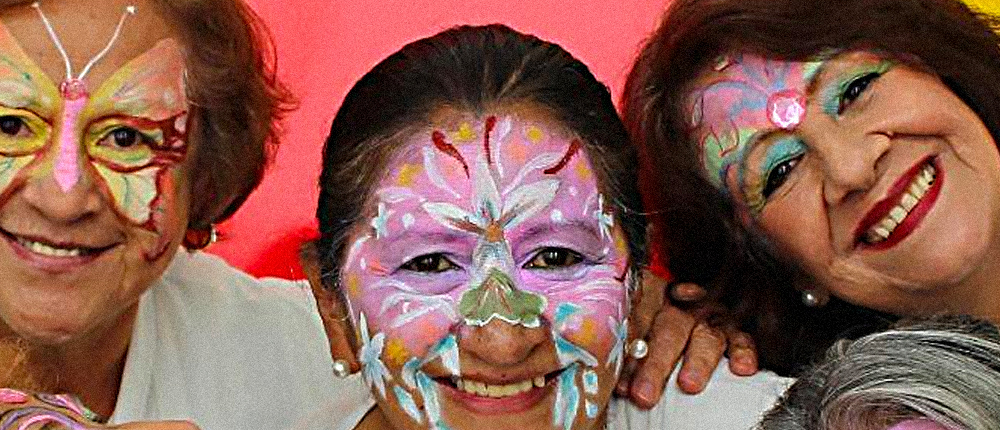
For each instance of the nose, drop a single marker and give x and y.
(501, 343)
(849, 162)
(45, 195)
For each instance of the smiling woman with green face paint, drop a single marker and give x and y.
(124, 135)
(483, 260)
(849, 149)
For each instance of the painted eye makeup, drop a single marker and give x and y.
(429, 264)
(844, 92)
(554, 258)
(772, 171)
(124, 138)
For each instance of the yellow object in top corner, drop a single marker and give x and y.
(988, 6)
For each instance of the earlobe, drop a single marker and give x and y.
(332, 309)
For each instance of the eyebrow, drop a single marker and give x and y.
(550, 228)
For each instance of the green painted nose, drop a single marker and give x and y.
(498, 297)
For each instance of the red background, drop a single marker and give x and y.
(324, 46)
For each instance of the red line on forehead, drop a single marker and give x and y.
(449, 149)
(491, 122)
(574, 147)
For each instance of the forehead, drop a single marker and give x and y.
(85, 27)
(515, 150)
(747, 89)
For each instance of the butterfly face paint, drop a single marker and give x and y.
(128, 135)
(483, 226)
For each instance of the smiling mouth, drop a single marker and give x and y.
(48, 249)
(499, 391)
(893, 218)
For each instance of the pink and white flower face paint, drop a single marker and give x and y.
(498, 222)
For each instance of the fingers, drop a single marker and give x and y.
(159, 425)
(742, 353)
(704, 351)
(667, 340)
(687, 292)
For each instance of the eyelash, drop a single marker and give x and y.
(854, 89)
(444, 264)
(575, 258)
(785, 153)
(140, 138)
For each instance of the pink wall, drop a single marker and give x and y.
(324, 46)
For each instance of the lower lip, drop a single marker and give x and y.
(48, 263)
(916, 215)
(494, 406)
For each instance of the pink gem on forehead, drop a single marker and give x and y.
(73, 89)
(786, 109)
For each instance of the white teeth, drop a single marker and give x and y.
(916, 191)
(909, 201)
(897, 214)
(499, 391)
(43, 249)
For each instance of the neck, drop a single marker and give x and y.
(89, 367)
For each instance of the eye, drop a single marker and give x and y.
(554, 258)
(778, 175)
(124, 137)
(855, 89)
(13, 125)
(429, 263)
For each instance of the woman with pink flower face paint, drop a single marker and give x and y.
(482, 260)
(849, 149)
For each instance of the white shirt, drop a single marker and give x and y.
(729, 402)
(232, 352)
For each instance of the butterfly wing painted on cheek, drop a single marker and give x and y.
(146, 96)
(27, 98)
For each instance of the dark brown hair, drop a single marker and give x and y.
(470, 70)
(703, 239)
(236, 101)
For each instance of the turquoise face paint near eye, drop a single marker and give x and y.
(832, 95)
(756, 177)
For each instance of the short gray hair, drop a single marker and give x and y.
(946, 369)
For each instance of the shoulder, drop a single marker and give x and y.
(729, 402)
(206, 330)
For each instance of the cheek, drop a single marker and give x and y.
(588, 312)
(412, 323)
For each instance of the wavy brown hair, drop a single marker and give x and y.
(236, 101)
(704, 240)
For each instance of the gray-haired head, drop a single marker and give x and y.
(944, 369)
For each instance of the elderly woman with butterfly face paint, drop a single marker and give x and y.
(126, 130)
(482, 243)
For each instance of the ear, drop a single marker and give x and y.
(332, 309)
